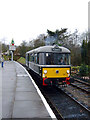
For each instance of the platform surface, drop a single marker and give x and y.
(19, 96)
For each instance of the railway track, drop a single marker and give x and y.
(86, 81)
(78, 80)
(62, 104)
(75, 98)
(80, 92)
(81, 85)
(67, 107)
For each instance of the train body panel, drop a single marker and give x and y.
(55, 72)
(34, 67)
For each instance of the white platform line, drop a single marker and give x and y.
(40, 94)
(22, 75)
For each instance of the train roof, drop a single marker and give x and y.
(54, 49)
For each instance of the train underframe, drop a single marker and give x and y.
(56, 81)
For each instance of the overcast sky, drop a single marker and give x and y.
(26, 19)
(89, 16)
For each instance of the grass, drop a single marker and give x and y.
(6, 57)
(22, 60)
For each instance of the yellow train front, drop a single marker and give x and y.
(51, 64)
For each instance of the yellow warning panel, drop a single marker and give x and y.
(55, 72)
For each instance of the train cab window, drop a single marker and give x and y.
(49, 59)
(62, 59)
(57, 59)
(41, 58)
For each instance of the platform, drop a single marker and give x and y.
(21, 97)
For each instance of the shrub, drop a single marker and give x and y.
(83, 71)
(89, 70)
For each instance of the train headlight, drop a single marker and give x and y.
(45, 71)
(68, 71)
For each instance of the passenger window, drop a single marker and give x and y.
(32, 57)
(37, 58)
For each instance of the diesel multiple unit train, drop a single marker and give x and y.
(50, 63)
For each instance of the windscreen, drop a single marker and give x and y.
(57, 59)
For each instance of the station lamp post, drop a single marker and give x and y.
(12, 48)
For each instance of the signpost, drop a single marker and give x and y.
(12, 48)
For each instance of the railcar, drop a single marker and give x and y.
(51, 64)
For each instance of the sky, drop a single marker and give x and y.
(27, 19)
(89, 16)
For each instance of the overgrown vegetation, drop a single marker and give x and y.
(83, 71)
(21, 60)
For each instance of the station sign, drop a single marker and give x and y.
(12, 48)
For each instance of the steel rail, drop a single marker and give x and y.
(70, 95)
(78, 80)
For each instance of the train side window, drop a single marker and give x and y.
(26, 56)
(38, 58)
(32, 57)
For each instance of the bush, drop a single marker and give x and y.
(83, 71)
(89, 70)
(75, 70)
